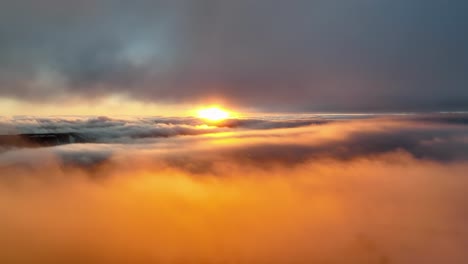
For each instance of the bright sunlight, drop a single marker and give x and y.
(213, 113)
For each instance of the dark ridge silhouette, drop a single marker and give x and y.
(41, 140)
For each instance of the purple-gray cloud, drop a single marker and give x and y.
(437, 137)
(335, 55)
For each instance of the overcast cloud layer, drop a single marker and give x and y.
(353, 55)
(382, 189)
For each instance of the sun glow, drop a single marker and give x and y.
(213, 113)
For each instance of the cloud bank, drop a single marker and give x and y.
(388, 189)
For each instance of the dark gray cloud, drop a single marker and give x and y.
(46, 131)
(186, 144)
(413, 135)
(294, 55)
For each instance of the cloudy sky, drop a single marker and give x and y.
(250, 132)
(101, 56)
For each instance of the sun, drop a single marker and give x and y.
(213, 113)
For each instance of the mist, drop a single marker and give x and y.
(368, 190)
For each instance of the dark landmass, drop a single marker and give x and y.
(41, 140)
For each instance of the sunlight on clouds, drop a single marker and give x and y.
(175, 190)
(115, 105)
(146, 213)
(213, 113)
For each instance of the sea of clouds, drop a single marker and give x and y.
(267, 189)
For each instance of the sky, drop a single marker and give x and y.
(289, 56)
(250, 132)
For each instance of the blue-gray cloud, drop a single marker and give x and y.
(259, 141)
(293, 55)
